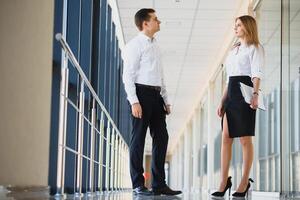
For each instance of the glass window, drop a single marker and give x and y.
(268, 15)
(295, 93)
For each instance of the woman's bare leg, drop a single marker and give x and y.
(248, 153)
(225, 154)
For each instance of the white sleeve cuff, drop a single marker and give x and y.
(166, 101)
(132, 100)
(257, 75)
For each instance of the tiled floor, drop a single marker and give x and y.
(126, 195)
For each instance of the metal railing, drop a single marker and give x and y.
(114, 164)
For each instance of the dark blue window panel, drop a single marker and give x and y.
(86, 151)
(104, 149)
(102, 46)
(116, 77)
(57, 29)
(120, 87)
(86, 36)
(97, 147)
(73, 39)
(108, 59)
(73, 34)
(96, 167)
(120, 97)
(94, 78)
(101, 72)
(95, 46)
(70, 164)
(117, 99)
(112, 73)
(85, 62)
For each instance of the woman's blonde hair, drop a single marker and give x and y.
(251, 32)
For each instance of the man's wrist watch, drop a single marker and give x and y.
(255, 93)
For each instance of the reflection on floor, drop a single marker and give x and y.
(121, 195)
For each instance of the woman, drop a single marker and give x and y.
(243, 64)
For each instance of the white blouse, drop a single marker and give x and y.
(244, 60)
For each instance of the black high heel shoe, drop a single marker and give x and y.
(221, 194)
(243, 194)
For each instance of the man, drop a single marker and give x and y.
(147, 95)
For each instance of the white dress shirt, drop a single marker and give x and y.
(244, 60)
(143, 65)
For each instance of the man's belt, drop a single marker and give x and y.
(156, 88)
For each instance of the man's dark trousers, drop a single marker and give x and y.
(154, 117)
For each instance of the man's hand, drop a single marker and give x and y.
(168, 109)
(136, 110)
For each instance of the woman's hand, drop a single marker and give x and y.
(254, 102)
(220, 111)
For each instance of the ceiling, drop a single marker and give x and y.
(191, 38)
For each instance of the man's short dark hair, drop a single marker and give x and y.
(141, 16)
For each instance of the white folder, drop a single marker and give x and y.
(247, 93)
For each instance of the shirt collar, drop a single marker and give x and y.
(145, 37)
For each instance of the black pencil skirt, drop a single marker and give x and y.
(240, 117)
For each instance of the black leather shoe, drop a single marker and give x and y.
(165, 191)
(142, 190)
